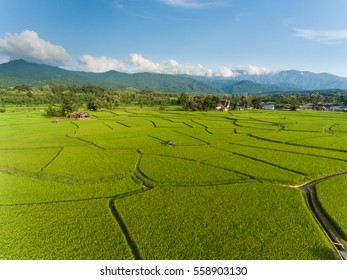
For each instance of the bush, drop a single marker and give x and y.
(52, 112)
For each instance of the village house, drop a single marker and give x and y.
(198, 105)
(78, 115)
(334, 107)
(224, 105)
(269, 107)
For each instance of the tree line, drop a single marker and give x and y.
(62, 100)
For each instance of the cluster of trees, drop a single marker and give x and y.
(93, 97)
(198, 102)
(246, 101)
(284, 100)
(70, 98)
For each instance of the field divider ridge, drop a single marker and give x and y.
(208, 184)
(295, 144)
(75, 124)
(139, 177)
(63, 179)
(187, 124)
(193, 137)
(156, 138)
(110, 127)
(228, 169)
(59, 152)
(123, 124)
(120, 196)
(202, 162)
(234, 121)
(329, 129)
(153, 123)
(260, 160)
(291, 152)
(86, 141)
(205, 126)
(167, 119)
(131, 243)
(323, 221)
(281, 126)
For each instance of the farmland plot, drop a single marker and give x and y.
(306, 165)
(245, 125)
(295, 149)
(289, 136)
(340, 128)
(332, 196)
(258, 170)
(227, 161)
(208, 136)
(45, 189)
(37, 135)
(176, 171)
(74, 230)
(85, 162)
(176, 136)
(27, 160)
(223, 189)
(196, 153)
(249, 221)
(331, 142)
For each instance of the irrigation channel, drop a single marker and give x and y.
(327, 227)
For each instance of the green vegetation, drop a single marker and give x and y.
(19, 71)
(74, 162)
(242, 221)
(74, 230)
(180, 171)
(64, 98)
(113, 187)
(332, 195)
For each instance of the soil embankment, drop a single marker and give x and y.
(329, 230)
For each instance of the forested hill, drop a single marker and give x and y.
(18, 72)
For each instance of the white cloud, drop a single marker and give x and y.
(225, 72)
(253, 70)
(100, 64)
(322, 36)
(28, 45)
(4, 59)
(142, 64)
(197, 4)
(139, 63)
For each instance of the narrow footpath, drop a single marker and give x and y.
(327, 227)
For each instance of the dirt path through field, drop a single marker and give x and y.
(329, 230)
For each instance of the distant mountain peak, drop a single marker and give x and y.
(20, 71)
(19, 62)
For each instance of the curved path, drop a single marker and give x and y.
(329, 230)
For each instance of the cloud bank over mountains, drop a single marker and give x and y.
(100, 64)
(29, 46)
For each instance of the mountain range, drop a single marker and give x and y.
(18, 72)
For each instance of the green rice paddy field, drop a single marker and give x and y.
(110, 188)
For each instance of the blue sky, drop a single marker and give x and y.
(199, 37)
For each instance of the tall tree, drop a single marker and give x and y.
(187, 101)
(69, 104)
